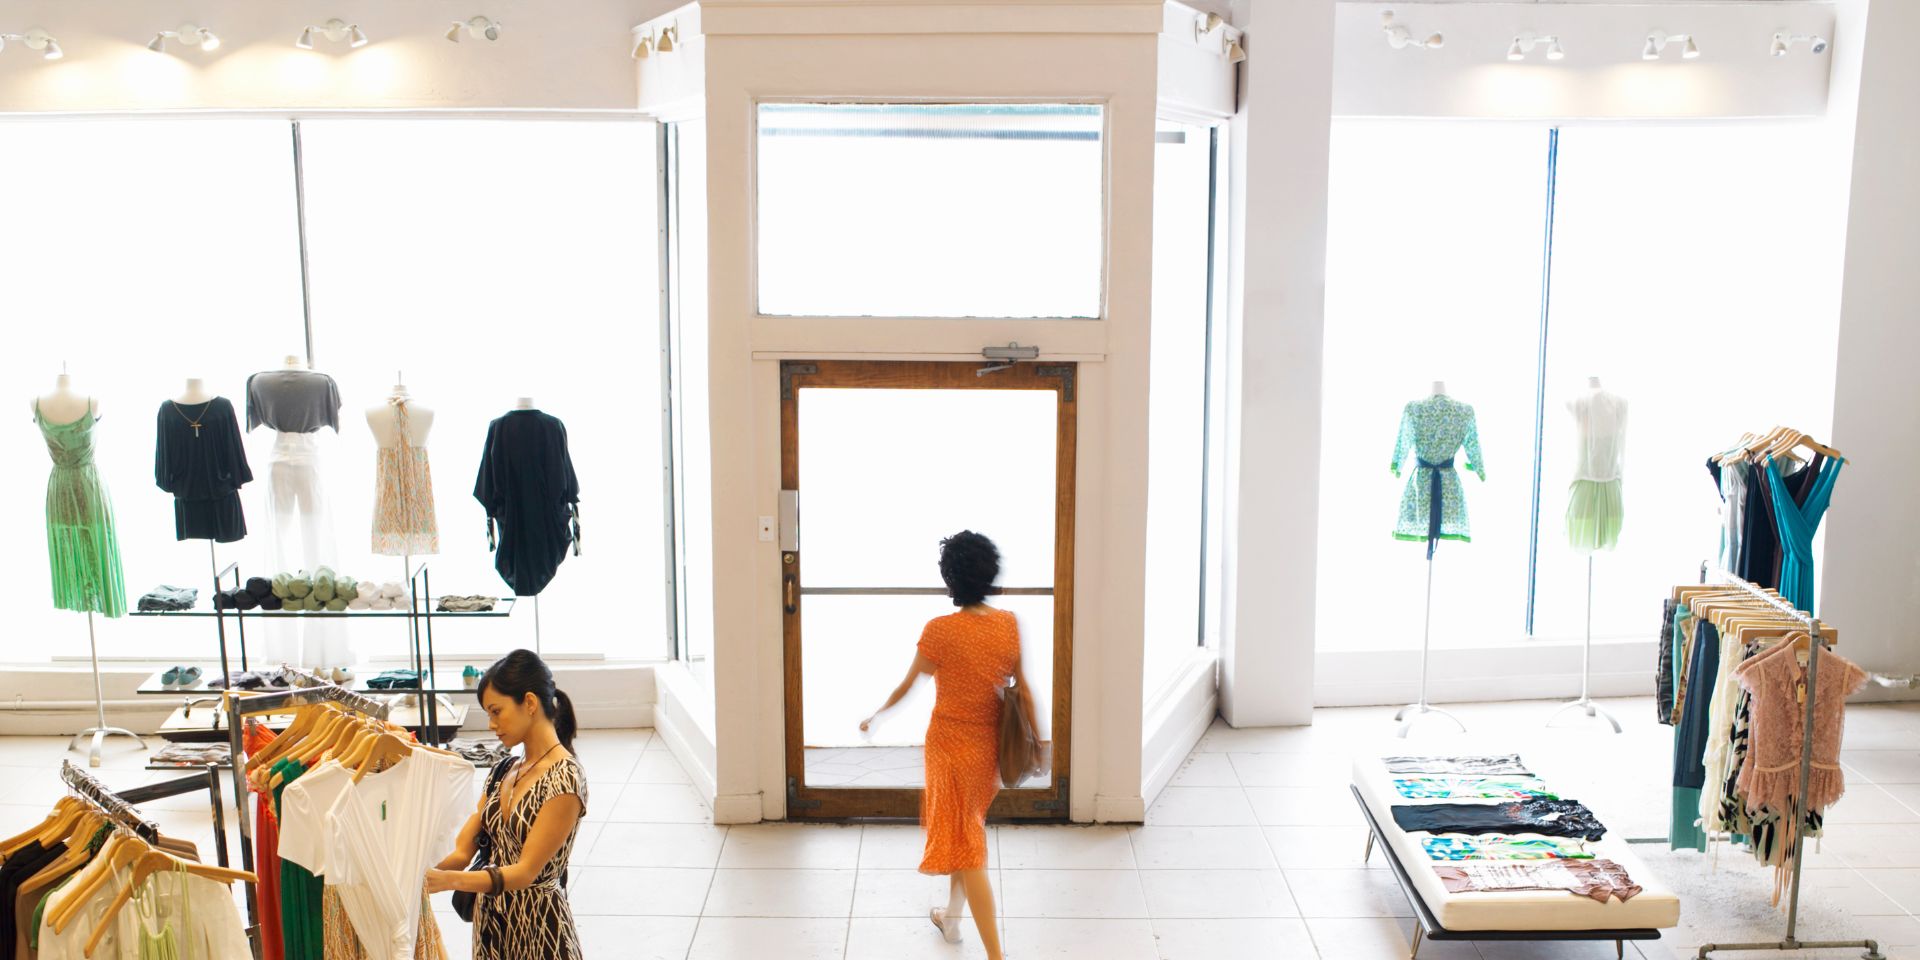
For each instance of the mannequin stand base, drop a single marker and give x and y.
(1414, 711)
(1590, 708)
(99, 735)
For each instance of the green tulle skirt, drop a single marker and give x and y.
(81, 546)
(1593, 515)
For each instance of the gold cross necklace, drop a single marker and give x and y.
(193, 421)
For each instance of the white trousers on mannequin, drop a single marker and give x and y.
(300, 537)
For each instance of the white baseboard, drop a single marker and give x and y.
(682, 718)
(1119, 809)
(1174, 722)
(737, 808)
(1539, 670)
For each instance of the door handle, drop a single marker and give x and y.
(790, 581)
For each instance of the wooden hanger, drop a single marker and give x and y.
(145, 867)
(387, 747)
(121, 849)
(304, 719)
(12, 844)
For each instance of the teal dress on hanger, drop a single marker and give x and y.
(1797, 525)
(1431, 506)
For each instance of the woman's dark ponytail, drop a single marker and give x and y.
(522, 672)
(562, 714)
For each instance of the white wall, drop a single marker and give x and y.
(1870, 585)
(551, 56)
(1279, 244)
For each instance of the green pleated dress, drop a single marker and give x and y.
(82, 550)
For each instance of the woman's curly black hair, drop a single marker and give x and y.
(969, 563)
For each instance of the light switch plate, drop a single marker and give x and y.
(766, 529)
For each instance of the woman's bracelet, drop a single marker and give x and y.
(499, 883)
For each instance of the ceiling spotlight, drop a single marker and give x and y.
(1657, 42)
(335, 30)
(475, 27)
(1784, 41)
(1524, 43)
(669, 35)
(1400, 38)
(188, 33)
(36, 39)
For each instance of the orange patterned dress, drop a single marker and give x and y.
(973, 655)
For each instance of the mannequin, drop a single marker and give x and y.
(1434, 430)
(404, 524)
(524, 403)
(196, 393)
(1594, 504)
(1439, 388)
(296, 401)
(63, 405)
(83, 550)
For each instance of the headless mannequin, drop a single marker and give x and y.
(302, 533)
(1439, 388)
(523, 403)
(63, 405)
(196, 393)
(384, 420)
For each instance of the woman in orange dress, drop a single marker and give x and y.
(970, 654)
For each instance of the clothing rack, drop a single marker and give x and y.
(239, 707)
(1791, 941)
(119, 805)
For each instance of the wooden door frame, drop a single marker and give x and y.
(1026, 804)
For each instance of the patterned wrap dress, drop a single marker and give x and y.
(1433, 430)
(403, 518)
(973, 654)
(536, 921)
(82, 548)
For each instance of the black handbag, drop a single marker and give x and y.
(463, 900)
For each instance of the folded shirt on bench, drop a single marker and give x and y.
(1490, 766)
(1599, 880)
(1473, 788)
(1499, 847)
(1554, 818)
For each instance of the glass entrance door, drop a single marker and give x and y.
(884, 460)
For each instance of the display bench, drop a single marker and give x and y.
(427, 712)
(1507, 915)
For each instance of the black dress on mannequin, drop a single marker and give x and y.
(199, 458)
(528, 487)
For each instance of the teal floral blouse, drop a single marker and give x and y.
(1434, 429)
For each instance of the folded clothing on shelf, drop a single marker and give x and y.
(395, 680)
(192, 754)
(481, 752)
(473, 604)
(165, 598)
(276, 679)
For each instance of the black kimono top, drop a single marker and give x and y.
(528, 487)
(204, 464)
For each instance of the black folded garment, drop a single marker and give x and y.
(1554, 818)
(223, 600)
(245, 600)
(260, 587)
(270, 602)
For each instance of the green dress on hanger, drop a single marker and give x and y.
(1433, 430)
(81, 547)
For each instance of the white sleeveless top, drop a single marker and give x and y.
(1600, 446)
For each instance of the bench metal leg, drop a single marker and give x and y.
(1419, 931)
(1368, 856)
(1619, 950)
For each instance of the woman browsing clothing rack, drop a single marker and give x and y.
(529, 816)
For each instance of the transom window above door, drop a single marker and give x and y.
(989, 210)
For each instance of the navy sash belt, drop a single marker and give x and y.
(1436, 500)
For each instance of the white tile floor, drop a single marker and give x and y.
(1254, 851)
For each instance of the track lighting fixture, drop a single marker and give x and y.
(1205, 23)
(1784, 41)
(335, 30)
(188, 33)
(1657, 44)
(36, 39)
(1400, 38)
(1524, 43)
(475, 27)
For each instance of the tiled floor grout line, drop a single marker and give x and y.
(701, 918)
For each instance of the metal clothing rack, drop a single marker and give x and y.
(119, 805)
(239, 707)
(1791, 941)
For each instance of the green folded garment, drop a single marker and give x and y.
(346, 589)
(324, 584)
(283, 585)
(336, 604)
(302, 585)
